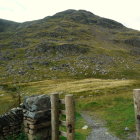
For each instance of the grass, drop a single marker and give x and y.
(114, 109)
(8, 97)
(77, 87)
(21, 136)
(6, 102)
(109, 100)
(80, 133)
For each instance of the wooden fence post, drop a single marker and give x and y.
(70, 116)
(55, 116)
(136, 93)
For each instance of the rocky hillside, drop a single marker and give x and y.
(70, 44)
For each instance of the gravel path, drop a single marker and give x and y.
(99, 131)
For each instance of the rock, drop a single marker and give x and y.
(126, 129)
(81, 96)
(133, 42)
(39, 126)
(37, 115)
(14, 110)
(21, 105)
(106, 133)
(1, 87)
(65, 65)
(19, 109)
(108, 23)
(123, 79)
(49, 47)
(85, 127)
(37, 103)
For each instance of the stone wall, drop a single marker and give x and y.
(37, 117)
(11, 122)
(34, 115)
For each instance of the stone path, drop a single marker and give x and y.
(99, 131)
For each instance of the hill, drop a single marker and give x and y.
(6, 25)
(70, 44)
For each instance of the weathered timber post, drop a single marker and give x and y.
(55, 116)
(136, 93)
(70, 116)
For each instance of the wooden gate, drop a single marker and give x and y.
(69, 112)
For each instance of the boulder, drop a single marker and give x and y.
(37, 103)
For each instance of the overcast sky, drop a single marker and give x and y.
(125, 11)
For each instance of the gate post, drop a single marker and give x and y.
(70, 116)
(136, 93)
(55, 116)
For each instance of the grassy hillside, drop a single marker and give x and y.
(6, 25)
(70, 44)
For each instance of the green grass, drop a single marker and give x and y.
(117, 110)
(122, 113)
(21, 136)
(8, 97)
(80, 133)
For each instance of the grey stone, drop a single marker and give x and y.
(37, 115)
(37, 103)
(126, 129)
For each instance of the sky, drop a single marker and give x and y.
(126, 12)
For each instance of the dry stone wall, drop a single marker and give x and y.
(11, 123)
(37, 117)
(34, 116)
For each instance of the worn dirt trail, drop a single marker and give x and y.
(99, 132)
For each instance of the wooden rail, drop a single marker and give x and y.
(63, 112)
(63, 123)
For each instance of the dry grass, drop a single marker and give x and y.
(75, 86)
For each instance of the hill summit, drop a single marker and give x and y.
(85, 17)
(70, 44)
